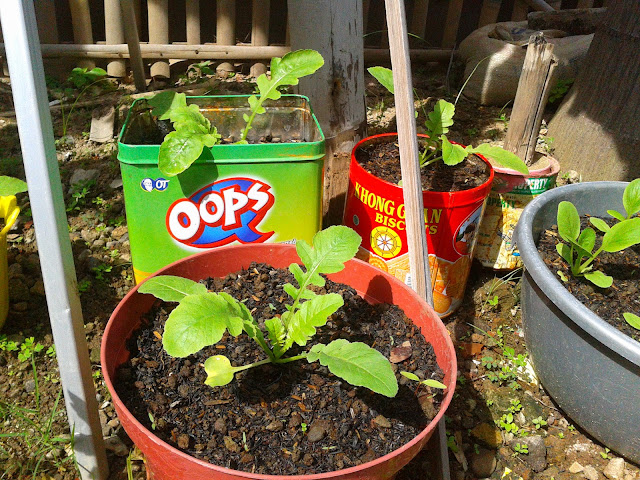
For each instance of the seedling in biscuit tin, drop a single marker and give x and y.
(202, 317)
(11, 186)
(193, 131)
(438, 147)
(578, 251)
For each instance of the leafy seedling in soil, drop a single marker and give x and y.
(438, 147)
(202, 317)
(521, 448)
(632, 319)
(193, 131)
(81, 78)
(429, 382)
(578, 251)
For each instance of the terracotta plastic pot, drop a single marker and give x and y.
(164, 462)
(375, 209)
(510, 193)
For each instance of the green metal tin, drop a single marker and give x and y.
(249, 193)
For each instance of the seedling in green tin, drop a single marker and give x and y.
(202, 317)
(578, 251)
(438, 147)
(193, 131)
(429, 382)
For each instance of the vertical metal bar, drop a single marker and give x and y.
(58, 272)
(131, 34)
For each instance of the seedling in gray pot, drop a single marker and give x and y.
(202, 317)
(578, 251)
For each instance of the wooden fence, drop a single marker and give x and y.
(254, 30)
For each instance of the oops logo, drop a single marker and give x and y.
(220, 213)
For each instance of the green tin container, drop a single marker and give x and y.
(249, 193)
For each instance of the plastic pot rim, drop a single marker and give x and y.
(461, 195)
(549, 284)
(430, 428)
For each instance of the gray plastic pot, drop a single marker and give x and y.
(591, 369)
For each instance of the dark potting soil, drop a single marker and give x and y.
(382, 159)
(608, 303)
(295, 418)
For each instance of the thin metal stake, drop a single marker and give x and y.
(45, 188)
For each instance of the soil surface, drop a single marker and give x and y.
(382, 159)
(295, 418)
(498, 405)
(608, 303)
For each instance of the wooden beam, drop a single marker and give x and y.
(540, 5)
(531, 98)
(419, 18)
(159, 34)
(114, 35)
(133, 42)
(520, 11)
(451, 24)
(225, 30)
(193, 22)
(47, 26)
(585, 4)
(81, 23)
(489, 12)
(260, 31)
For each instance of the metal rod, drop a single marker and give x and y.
(52, 234)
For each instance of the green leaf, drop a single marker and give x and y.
(452, 154)
(165, 102)
(189, 116)
(617, 215)
(434, 384)
(11, 186)
(568, 221)
(410, 376)
(440, 119)
(332, 247)
(632, 319)
(287, 70)
(587, 239)
(622, 235)
(301, 325)
(599, 224)
(219, 371)
(631, 198)
(503, 157)
(562, 276)
(170, 288)
(384, 76)
(358, 364)
(600, 279)
(200, 320)
(564, 251)
(276, 331)
(178, 151)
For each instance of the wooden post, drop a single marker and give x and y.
(226, 30)
(336, 91)
(133, 41)
(411, 181)
(260, 31)
(520, 11)
(531, 98)
(541, 5)
(585, 4)
(489, 12)
(193, 22)
(555, 4)
(451, 24)
(114, 35)
(81, 22)
(159, 33)
(419, 18)
(366, 4)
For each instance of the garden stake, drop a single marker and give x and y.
(47, 203)
(410, 167)
(131, 35)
